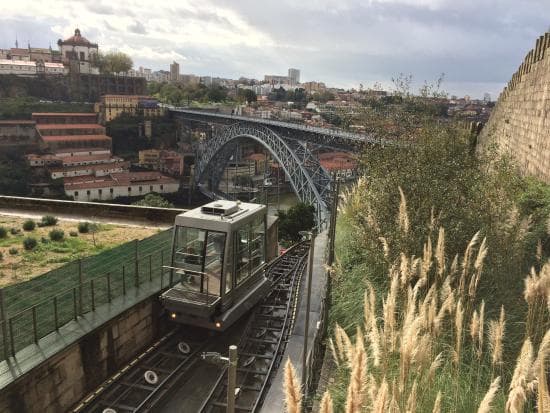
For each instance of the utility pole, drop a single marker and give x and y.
(231, 364)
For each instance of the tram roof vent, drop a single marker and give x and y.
(220, 208)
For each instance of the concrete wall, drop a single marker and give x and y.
(18, 134)
(520, 121)
(90, 209)
(63, 380)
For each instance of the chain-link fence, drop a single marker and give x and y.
(35, 308)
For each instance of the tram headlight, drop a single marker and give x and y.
(218, 324)
(173, 316)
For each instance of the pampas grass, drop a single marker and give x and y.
(486, 403)
(293, 393)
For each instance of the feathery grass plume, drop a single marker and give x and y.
(427, 258)
(447, 307)
(293, 394)
(393, 406)
(326, 403)
(333, 351)
(544, 351)
(466, 263)
(389, 306)
(412, 399)
(403, 218)
(404, 269)
(517, 395)
(459, 321)
(478, 268)
(543, 399)
(539, 250)
(485, 405)
(440, 253)
(437, 403)
(474, 328)
(454, 267)
(343, 344)
(481, 334)
(436, 363)
(496, 335)
(385, 246)
(409, 348)
(381, 402)
(356, 387)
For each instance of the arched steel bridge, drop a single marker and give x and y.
(287, 143)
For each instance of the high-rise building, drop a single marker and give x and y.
(174, 72)
(294, 76)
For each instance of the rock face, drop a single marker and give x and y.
(520, 122)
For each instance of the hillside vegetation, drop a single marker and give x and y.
(441, 287)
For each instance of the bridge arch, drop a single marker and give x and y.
(309, 180)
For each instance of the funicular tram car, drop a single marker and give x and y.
(219, 257)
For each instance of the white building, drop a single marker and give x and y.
(84, 170)
(125, 184)
(294, 76)
(77, 51)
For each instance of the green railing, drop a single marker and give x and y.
(36, 308)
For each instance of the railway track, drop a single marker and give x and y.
(262, 345)
(142, 384)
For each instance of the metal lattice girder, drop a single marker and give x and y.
(308, 178)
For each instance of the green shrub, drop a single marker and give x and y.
(15, 231)
(49, 220)
(73, 234)
(3, 232)
(29, 225)
(44, 240)
(57, 235)
(13, 251)
(83, 227)
(1, 256)
(29, 243)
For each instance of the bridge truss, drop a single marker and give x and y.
(309, 180)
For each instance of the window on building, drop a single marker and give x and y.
(151, 188)
(82, 57)
(75, 193)
(140, 189)
(100, 191)
(129, 189)
(111, 190)
(161, 187)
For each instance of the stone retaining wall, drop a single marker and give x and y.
(520, 121)
(63, 380)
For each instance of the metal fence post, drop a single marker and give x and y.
(3, 315)
(55, 313)
(93, 294)
(12, 340)
(34, 326)
(231, 379)
(109, 287)
(150, 267)
(123, 280)
(74, 304)
(136, 264)
(80, 281)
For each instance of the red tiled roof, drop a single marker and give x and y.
(86, 158)
(117, 179)
(75, 138)
(17, 122)
(91, 167)
(50, 126)
(64, 114)
(74, 150)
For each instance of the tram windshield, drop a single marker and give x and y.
(198, 259)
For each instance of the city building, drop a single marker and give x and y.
(169, 162)
(174, 72)
(79, 54)
(294, 76)
(112, 106)
(312, 87)
(120, 184)
(30, 68)
(190, 79)
(275, 79)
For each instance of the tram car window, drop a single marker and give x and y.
(218, 264)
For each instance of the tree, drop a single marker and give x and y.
(114, 62)
(154, 200)
(246, 95)
(300, 217)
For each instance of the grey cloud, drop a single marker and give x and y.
(137, 28)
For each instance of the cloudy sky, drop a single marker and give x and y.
(478, 44)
